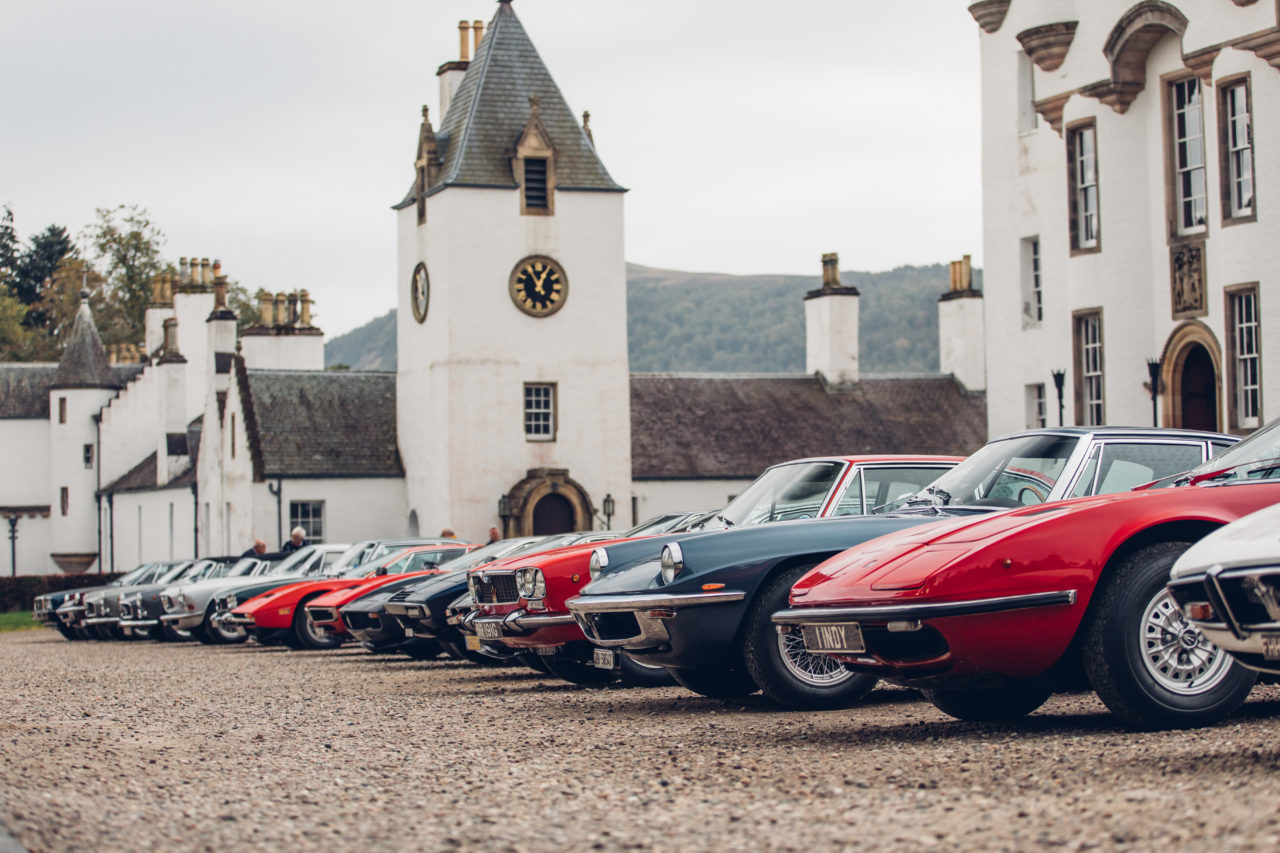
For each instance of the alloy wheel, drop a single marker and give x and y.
(1176, 654)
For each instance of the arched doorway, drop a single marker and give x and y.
(552, 514)
(413, 523)
(1199, 390)
(1191, 378)
(547, 500)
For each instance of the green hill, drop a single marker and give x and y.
(711, 322)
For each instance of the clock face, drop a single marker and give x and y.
(420, 292)
(538, 286)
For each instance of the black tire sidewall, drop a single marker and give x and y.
(763, 657)
(1114, 658)
(635, 674)
(304, 637)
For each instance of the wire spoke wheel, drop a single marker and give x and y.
(814, 670)
(1178, 656)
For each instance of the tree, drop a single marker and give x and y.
(8, 246)
(35, 269)
(127, 247)
(245, 306)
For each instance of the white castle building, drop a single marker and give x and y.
(1128, 237)
(513, 405)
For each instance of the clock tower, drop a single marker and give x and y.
(513, 390)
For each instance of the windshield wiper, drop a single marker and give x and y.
(726, 522)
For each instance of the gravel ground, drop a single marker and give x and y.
(143, 746)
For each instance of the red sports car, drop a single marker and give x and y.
(520, 602)
(989, 616)
(282, 612)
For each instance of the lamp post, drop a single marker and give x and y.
(13, 546)
(1153, 369)
(1059, 380)
(607, 507)
(504, 512)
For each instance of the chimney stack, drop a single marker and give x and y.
(205, 278)
(306, 308)
(831, 326)
(961, 329)
(266, 314)
(282, 309)
(184, 274)
(464, 44)
(477, 33)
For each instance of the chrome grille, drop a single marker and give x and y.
(496, 589)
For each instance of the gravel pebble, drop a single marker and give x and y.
(147, 746)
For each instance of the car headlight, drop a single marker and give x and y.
(473, 587)
(598, 563)
(671, 561)
(530, 582)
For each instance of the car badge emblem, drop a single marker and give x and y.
(1264, 594)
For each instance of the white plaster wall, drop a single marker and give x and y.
(1026, 194)
(33, 548)
(129, 425)
(831, 337)
(658, 496)
(284, 352)
(24, 462)
(166, 527)
(460, 387)
(153, 322)
(962, 342)
(77, 531)
(234, 501)
(192, 311)
(363, 508)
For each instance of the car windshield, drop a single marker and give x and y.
(182, 571)
(132, 577)
(1009, 472)
(1255, 458)
(353, 556)
(654, 526)
(491, 552)
(792, 491)
(292, 564)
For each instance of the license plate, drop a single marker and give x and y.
(1271, 646)
(489, 630)
(408, 632)
(605, 659)
(473, 642)
(845, 637)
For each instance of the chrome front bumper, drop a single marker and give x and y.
(102, 620)
(647, 610)
(139, 623)
(232, 619)
(922, 610)
(183, 621)
(520, 623)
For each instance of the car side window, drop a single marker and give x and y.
(1121, 466)
(888, 485)
(851, 501)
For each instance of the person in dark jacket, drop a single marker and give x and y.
(297, 538)
(259, 547)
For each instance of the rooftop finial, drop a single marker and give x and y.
(586, 127)
(533, 104)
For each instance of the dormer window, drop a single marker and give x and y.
(534, 167)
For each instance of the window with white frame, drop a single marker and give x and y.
(1246, 357)
(540, 412)
(1237, 135)
(1082, 150)
(1035, 406)
(309, 515)
(1032, 295)
(1190, 200)
(1090, 404)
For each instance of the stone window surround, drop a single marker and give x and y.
(1078, 319)
(553, 399)
(1073, 214)
(1222, 85)
(1230, 294)
(1173, 198)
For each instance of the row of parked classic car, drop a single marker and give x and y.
(1138, 563)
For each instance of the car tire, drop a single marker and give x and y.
(574, 666)
(637, 674)
(170, 634)
(726, 681)
(988, 706)
(217, 635)
(534, 661)
(308, 635)
(106, 632)
(69, 633)
(84, 633)
(423, 650)
(788, 674)
(1144, 659)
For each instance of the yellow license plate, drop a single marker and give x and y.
(473, 642)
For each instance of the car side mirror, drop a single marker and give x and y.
(382, 570)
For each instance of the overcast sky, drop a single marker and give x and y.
(754, 134)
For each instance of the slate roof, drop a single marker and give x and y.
(733, 427)
(84, 362)
(490, 109)
(24, 387)
(311, 423)
(139, 478)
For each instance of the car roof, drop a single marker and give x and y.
(1124, 432)
(873, 458)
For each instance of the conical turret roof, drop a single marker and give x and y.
(84, 362)
(491, 109)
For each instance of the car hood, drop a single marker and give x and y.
(339, 597)
(1251, 540)
(218, 586)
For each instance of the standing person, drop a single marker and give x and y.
(259, 547)
(448, 533)
(494, 535)
(297, 538)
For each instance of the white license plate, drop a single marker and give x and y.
(473, 642)
(605, 659)
(489, 630)
(1271, 646)
(845, 637)
(408, 632)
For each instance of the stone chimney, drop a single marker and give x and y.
(451, 73)
(220, 335)
(831, 327)
(961, 329)
(160, 309)
(282, 309)
(171, 441)
(266, 309)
